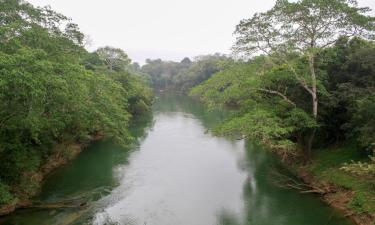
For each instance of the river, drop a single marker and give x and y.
(176, 173)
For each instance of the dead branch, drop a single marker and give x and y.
(288, 182)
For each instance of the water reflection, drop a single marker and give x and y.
(266, 203)
(176, 174)
(90, 177)
(180, 176)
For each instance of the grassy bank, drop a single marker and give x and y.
(352, 194)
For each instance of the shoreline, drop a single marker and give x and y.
(322, 180)
(334, 187)
(334, 196)
(331, 194)
(65, 152)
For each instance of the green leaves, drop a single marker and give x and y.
(264, 100)
(5, 195)
(182, 76)
(364, 121)
(53, 91)
(350, 79)
(302, 26)
(115, 59)
(259, 124)
(291, 35)
(300, 120)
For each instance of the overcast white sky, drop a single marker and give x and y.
(167, 29)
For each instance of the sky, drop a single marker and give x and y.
(166, 29)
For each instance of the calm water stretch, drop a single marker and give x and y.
(177, 173)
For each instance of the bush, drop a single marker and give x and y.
(361, 168)
(5, 196)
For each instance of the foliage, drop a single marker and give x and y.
(364, 121)
(361, 168)
(302, 26)
(201, 69)
(327, 167)
(258, 124)
(53, 91)
(5, 196)
(293, 34)
(140, 96)
(160, 72)
(291, 79)
(182, 76)
(350, 79)
(261, 114)
(114, 58)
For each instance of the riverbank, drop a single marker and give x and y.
(63, 154)
(352, 195)
(175, 144)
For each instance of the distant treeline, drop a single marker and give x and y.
(53, 92)
(182, 76)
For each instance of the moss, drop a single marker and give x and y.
(326, 166)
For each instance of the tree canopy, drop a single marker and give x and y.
(53, 92)
(285, 82)
(184, 75)
(293, 33)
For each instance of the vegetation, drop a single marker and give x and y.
(307, 81)
(184, 75)
(53, 91)
(327, 167)
(304, 79)
(289, 92)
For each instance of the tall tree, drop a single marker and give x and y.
(114, 58)
(302, 28)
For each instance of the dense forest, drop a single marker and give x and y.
(182, 76)
(301, 81)
(54, 93)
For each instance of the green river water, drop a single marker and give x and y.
(177, 173)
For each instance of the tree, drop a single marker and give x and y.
(53, 93)
(247, 89)
(185, 62)
(350, 76)
(201, 69)
(114, 58)
(300, 30)
(161, 72)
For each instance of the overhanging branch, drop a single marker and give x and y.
(279, 94)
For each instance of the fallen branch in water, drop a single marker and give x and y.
(55, 206)
(78, 201)
(289, 182)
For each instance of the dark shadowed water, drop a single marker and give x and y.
(177, 174)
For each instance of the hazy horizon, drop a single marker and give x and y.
(166, 29)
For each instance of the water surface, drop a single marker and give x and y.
(177, 173)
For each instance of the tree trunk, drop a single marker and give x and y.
(314, 96)
(309, 145)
